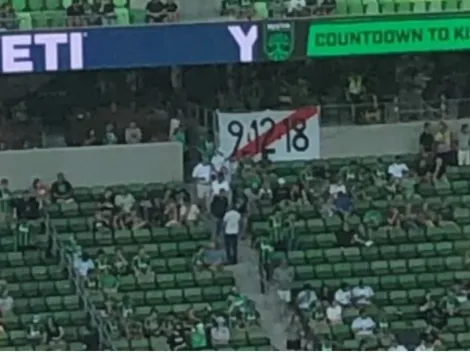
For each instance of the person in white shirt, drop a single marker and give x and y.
(343, 295)
(133, 134)
(337, 187)
(219, 161)
(398, 168)
(220, 183)
(232, 226)
(83, 264)
(220, 334)
(362, 294)
(306, 298)
(296, 5)
(125, 201)
(334, 313)
(202, 175)
(425, 346)
(363, 325)
(396, 347)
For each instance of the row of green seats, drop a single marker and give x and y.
(27, 257)
(34, 273)
(69, 317)
(19, 338)
(367, 254)
(389, 7)
(44, 5)
(44, 304)
(41, 288)
(380, 267)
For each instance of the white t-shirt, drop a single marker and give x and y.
(296, 5)
(363, 294)
(343, 297)
(6, 304)
(396, 170)
(83, 267)
(125, 201)
(192, 213)
(334, 314)
(220, 335)
(305, 298)
(202, 171)
(218, 186)
(335, 189)
(398, 348)
(422, 347)
(218, 162)
(363, 326)
(232, 222)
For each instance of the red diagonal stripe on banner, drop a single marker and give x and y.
(280, 130)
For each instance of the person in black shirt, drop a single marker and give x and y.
(61, 190)
(423, 170)
(27, 208)
(156, 11)
(176, 340)
(219, 206)
(426, 139)
(281, 191)
(75, 13)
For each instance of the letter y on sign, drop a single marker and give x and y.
(245, 41)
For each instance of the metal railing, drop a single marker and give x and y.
(96, 320)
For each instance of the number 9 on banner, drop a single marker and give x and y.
(283, 135)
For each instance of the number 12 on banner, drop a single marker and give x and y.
(299, 142)
(283, 135)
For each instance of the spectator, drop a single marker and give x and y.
(283, 278)
(220, 184)
(101, 261)
(10, 20)
(409, 337)
(337, 187)
(443, 140)
(397, 168)
(109, 135)
(395, 346)
(91, 138)
(343, 205)
(6, 301)
(190, 214)
(176, 339)
(218, 209)
(439, 171)
(334, 313)
(6, 201)
(464, 146)
(108, 17)
(61, 190)
(232, 230)
(141, 263)
(133, 134)
(54, 335)
(294, 334)
(35, 332)
(343, 295)
(362, 294)
(426, 139)
(156, 11)
(93, 280)
(306, 298)
(326, 295)
(220, 334)
(281, 191)
(125, 202)
(363, 326)
(119, 263)
(109, 283)
(152, 324)
(83, 264)
(202, 177)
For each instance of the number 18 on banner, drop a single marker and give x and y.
(284, 135)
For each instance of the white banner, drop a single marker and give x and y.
(285, 135)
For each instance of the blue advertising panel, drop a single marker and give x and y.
(128, 47)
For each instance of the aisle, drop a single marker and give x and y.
(247, 281)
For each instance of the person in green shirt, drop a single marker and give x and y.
(6, 201)
(198, 337)
(275, 226)
(23, 235)
(179, 136)
(141, 263)
(373, 218)
(408, 186)
(109, 283)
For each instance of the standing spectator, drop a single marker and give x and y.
(133, 134)
(283, 278)
(464, 146)
(202, 176)
(220, 184)
(426, 139)
(218, 209)
(6, 201)
(444, 142)
(156, 11)
(294, 333)
(232, 226)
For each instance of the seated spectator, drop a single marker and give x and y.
(156, 11)
(220, 334)
(189, 213)
(6, 201)
(27, 207)
(108, 17)
(281, 191)
(54, 335)
(319, 323)
(133, 221)
(133, 134)
(202, 177)
(397, 168)
(107, 214)
(119, 263)
(362, 294)
(93, 280)
(449, 304)
(125, 202)
(326, 295)
(61, 190)
(152, 324)
(343, 295)
(423, 170)
(171, 10)
(141, 263)
(109, 135)
(40, 190)
(343, 205)
(126, 307)
(337, 187)
(334, 313)
(432, 312)
(91, 138)
(171, 213)
(6, 301)
(83, 264)
(101, 262)
(363, 326)
(211, 257)
(133, 328)
(9, 18)
(109, 283)
(177, 341)
(265, 192)
(35, 332)
(306, 298)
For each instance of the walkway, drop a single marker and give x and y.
(247, 281)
